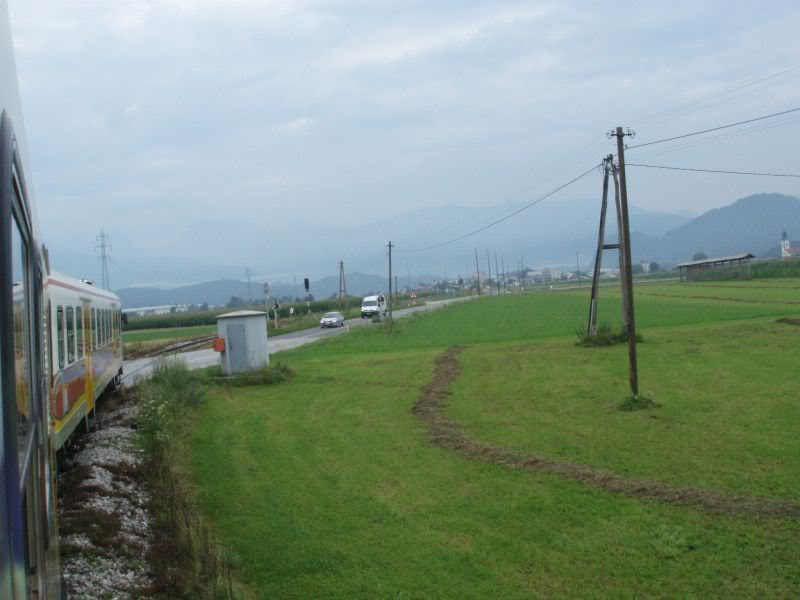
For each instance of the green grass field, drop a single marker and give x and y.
(179, 333)
(327, 486)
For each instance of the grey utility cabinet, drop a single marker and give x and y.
(246, 344)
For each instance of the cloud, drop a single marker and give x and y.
(151, 112)
(298, 125)
(396, 44)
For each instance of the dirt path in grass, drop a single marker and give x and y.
(446, 433)
(719, 298)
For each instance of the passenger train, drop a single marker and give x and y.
(60, 348)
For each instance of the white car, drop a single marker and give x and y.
(332, 319)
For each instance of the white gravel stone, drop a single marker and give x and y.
(99, 572)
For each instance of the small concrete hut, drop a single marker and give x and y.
(245, 345)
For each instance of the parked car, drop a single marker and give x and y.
(332, 319)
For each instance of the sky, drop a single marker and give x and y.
(143, 115)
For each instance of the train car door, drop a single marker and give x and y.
(22, 572)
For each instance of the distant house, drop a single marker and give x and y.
(723, 267)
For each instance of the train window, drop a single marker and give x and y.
(93, 328)
(60, 329)
(70, 335)
(79, 334)
(22, 373)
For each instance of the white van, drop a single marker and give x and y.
(373, 306)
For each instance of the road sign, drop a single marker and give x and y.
(305, 281)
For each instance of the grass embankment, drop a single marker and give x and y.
(185, 556)
(329, 486)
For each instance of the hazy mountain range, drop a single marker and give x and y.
(549, 234)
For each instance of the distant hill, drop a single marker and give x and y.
(220, 291)
(752, 224)
(545, 234)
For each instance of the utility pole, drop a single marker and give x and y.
(601, 245)
(578, 265)
(478, 272)
(503, 263)
(625, 242)
(390, 286)
(266, 298)
(249, 285)
(104, 246)
(408, 275)
(342, 286)
(497, 273)
(489, 266)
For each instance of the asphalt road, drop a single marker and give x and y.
(140, 368)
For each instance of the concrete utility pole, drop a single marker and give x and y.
(489, 266)
(626, 248)
(496, 274)
(104, 247)
(249, 285)
(478, 272)
(342, 286)
(390, 286)
(266, 298)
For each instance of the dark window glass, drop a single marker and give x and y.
(22, 340)
(79, 333)
(60, 329)
(70, 335)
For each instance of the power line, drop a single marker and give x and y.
(693, 133)
(719, 97)
(716, 171)
(720, 136)
(506, 217)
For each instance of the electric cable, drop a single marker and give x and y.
(756, 173)
(712, 129)
(506, 217)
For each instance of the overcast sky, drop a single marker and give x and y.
(279, 111)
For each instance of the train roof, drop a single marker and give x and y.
(80, 285)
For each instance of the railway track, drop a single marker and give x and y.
(180, 346)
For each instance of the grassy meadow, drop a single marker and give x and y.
(328, 486)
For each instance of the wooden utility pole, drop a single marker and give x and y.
(390, 285)
(625, 249)
(598, 259)
(478, 271)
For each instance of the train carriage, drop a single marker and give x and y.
(85, 347)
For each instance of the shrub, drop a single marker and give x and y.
(632, 403)
(605, 336)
